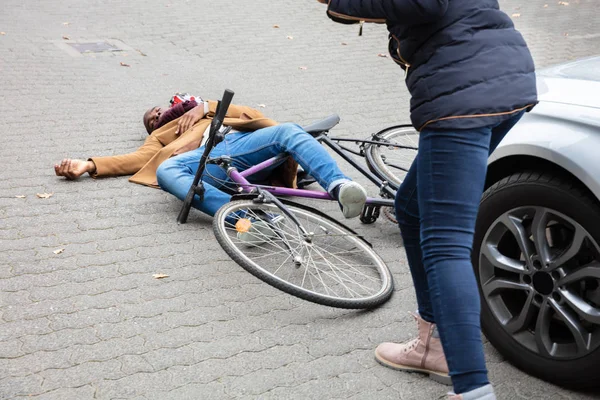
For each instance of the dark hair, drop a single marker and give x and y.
(146, 125)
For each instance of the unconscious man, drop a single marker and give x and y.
(170, 156)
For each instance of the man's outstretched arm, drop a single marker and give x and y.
(125, 164)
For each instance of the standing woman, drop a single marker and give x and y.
(471, 78)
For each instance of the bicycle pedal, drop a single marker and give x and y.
(369, 214)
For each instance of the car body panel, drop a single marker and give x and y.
(564, 128)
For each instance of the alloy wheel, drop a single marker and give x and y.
(539, 272)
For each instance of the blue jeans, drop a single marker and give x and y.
(436, 208)
(176, 174)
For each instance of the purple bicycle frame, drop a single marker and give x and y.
(240, 179)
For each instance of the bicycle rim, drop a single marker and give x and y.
(335, 268)
(392, 163)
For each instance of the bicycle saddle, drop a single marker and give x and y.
(323, 125)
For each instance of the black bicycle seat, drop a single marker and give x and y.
(323, 125)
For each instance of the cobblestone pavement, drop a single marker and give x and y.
(91, 322)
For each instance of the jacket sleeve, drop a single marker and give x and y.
(127, 164)
(235, 111)
(407, 12)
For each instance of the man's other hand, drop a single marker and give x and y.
(73, 169)
(190, 118)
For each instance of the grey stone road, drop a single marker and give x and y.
(91, 322)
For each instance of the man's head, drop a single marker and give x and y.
(151, 118)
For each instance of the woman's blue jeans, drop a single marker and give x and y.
(436, 209)
(247, 149)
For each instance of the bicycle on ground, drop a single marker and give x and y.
(297, 248)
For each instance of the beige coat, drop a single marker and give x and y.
(164, 143)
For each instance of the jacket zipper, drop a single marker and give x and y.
(402, 62)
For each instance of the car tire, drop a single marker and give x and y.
(550, 196)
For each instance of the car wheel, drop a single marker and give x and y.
(536, 256)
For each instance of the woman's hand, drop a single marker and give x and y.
(190, 118)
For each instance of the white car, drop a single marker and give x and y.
(536, 251)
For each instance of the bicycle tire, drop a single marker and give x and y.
(378, 159)
(350, 249)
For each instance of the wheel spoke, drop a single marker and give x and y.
(581, 307)
(590, 271)
(581, 336)
(578, 238)
(499, 260)
(538, 231)
(515, 226)
(525, 317)
(495, 285)
(542, 330)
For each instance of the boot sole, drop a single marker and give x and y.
(435, 376)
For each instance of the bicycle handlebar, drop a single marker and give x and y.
(223, 106)
(197, 188)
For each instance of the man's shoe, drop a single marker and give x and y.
(352, 198)
(483, 393)
(260, 231)
(423, 354)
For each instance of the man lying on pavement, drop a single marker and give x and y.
(170, 156)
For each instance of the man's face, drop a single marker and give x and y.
(151, 118)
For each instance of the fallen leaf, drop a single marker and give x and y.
(20, 196)
(262, 105)
(44, 195)
(66, 38)
(124, 65)
(141, 53)
(66, 23)
(160, 276)
(344, 44)
(516, 15)
(566, 34)
(58, 251)
(290, 37)
(2, 33)
(382, 55)
(545, 5)
(303, 68)
(275, 26)
(563, 3)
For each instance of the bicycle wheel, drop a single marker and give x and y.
(392, 163)
(335, 268)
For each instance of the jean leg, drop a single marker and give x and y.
(499, 131)
(176, 176)
(407, 214)
(450, 180)
(255, 147)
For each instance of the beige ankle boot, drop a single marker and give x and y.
(423, 354)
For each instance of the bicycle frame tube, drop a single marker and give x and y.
(240, 179)
(367, 174)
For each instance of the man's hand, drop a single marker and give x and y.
(190, 118)
(323, 1)
(73, 169)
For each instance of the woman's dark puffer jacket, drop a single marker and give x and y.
(466, 64)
